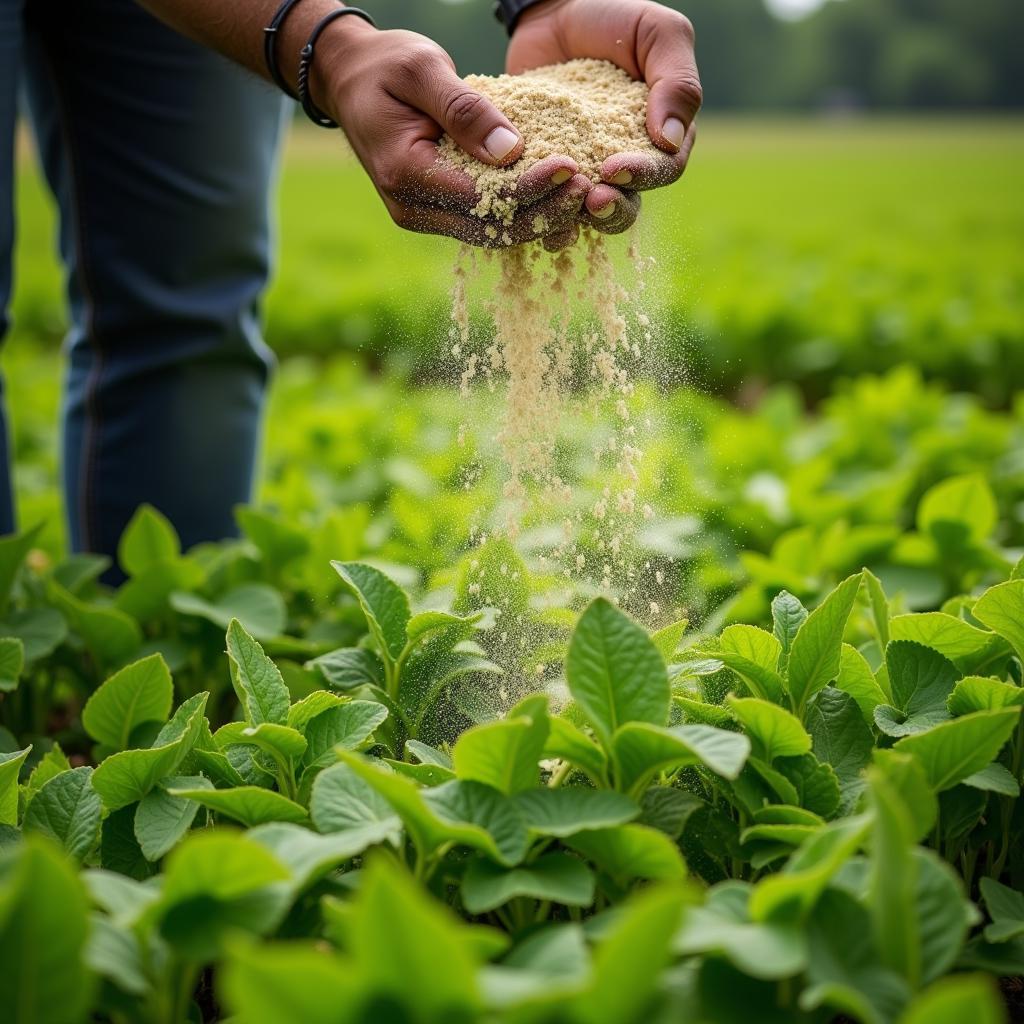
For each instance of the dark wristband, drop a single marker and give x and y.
(306, 57)
(270, 45)
(508, 12)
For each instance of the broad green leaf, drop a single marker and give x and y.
(775, 731)
(281, 742)
(302, 712)
(764, 682)
(907, 779)
(615, 673)
(162, 820)
(308, 856)
(126, 777)
(350, 667)
(50, 765)
(113, 637)
(342, 801)
(140, 692)
(41, 630)
(557, 877)
(893, 881)
(788, 615)
(426, 754)
(1001, 608)
(699, 712)
(258, 683)
(951, 752)
(148, 539)
(921, 681)
(114, 953)
(944, 917)
(783, 835)
(842, 739)
(278, 542)
(424, 623)
(564, 812)
(640, 750)
(13, 549)
(966, 501)
(68, 810)
(796, 888)
(12, 663)
(10, 767)
(816, 783)
(540, 971)
(249, 805)
(954, 1000)
(754, 644)
(568, 743)
(1005, 907)
(814, 659)
(44, 925)
(722, 927)
(120, 852)
(291, 981)
(346, 727)
(979, 693)
(994, 778)
(218, 883)
(259, 608)
(630, 958)
(383, 602)
(504, 754)
(953, 638)
(879, 607)
(668, 638)
(631, 851)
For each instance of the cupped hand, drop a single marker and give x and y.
(651, 43)
(395, 94)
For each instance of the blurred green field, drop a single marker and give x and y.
(795, 250)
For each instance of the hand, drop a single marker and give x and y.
(651, 43)
(395, 94)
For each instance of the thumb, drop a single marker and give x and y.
(670, 71)
(471, 119)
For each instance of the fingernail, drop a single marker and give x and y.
(673, 131)
(622, 178)
(560, 177)
(606, 211)
(501, 142)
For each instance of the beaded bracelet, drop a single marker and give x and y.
(317, 116)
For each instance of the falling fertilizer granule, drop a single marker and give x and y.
(568, 337)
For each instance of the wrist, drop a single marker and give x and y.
(335, 49)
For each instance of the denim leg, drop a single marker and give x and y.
(10, 62)
(162, 156)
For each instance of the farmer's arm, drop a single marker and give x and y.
(395, 94)
(652, 43)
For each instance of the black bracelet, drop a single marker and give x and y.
(270, 46)
(317, 116)
(508, 12)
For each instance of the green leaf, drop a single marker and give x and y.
(764, 682)
(13, 549)
(342, 801)
(12, 663)
(44, 926)
(41, 631)
(50, 765)
(162, 820)
(277, 541)
(959, 641)
(258, 683)
(640, 750)
(346, 727)
(564, 812)
(128, 776)
(259, 609)
(907, 779)
(298, 981)
(1005, 907)
(842, 739)
(307, 855)
(994, 778)
(722, 927)
(114, 953)
(757, 645)
(281, 742)
(556, 877)
(424, 623)
(113, 637)
(973, 998)
(965, 501)
(1001, 608)
(788, 615)
(816, 784)
(148, 540)
(951, 752)
(68, 810)
(979, 693)
(566, 742)
(140, 692)
(615, 673)
(879, 607)
(251, 805)
(776, 731)
(631, 851)
(921, 681)
(10, 767)
(382, 601)
(302, 712)
(815, 657)
(504, 754)
(668, 638)
(350, 667)
(943, 914)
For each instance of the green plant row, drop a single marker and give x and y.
(822, 818)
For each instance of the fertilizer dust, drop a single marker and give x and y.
(563, 339)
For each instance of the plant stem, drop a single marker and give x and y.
(560, 775)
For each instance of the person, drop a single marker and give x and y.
(161, 156)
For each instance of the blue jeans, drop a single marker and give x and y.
(161, 156)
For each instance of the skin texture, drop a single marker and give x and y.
(396, 93)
